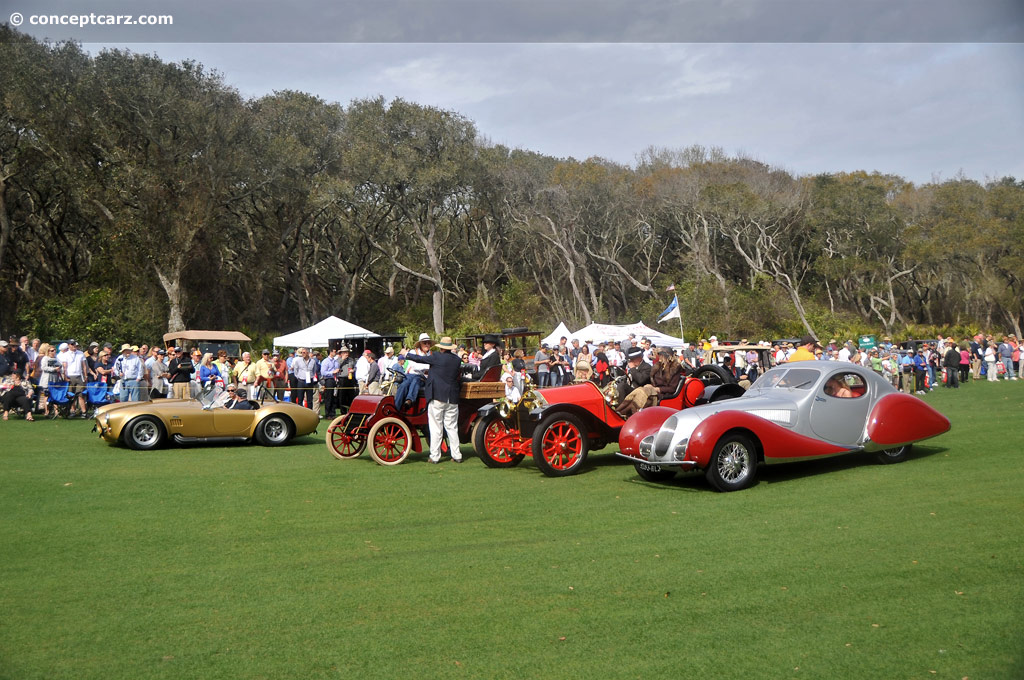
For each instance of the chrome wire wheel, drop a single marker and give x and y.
(733, 464)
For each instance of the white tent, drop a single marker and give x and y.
(557, 334)
(318, 334)
(600, 332)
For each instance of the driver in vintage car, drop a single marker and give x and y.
(237, 399)
(636, 389)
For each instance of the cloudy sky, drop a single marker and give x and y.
(917, 110)
(921, 89)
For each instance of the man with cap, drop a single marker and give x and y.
(386, 362)
(130, 369)
(237, 399)
(805, 352)
(347, 386)
(636, 389)
(415, 373)
(264, 374)
(180, 371)
(491, 356)
(443, 399)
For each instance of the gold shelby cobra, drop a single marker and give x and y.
(143, 425)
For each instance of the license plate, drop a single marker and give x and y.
(649, 467)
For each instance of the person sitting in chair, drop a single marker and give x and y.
(17, 397)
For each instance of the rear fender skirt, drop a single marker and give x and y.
(777, 443)
(642, 423)
(899, 419)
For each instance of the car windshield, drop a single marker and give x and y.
(791, 379)
(214, 396)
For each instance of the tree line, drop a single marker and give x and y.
(138, 196)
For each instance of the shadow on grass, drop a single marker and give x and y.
(770, 474)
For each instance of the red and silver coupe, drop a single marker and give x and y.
(797, 411)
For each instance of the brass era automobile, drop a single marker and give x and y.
(149, 424)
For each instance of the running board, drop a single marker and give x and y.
(202, 440)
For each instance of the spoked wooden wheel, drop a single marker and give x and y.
(560, 445)
(390, 441)
(342, 444)
(496, 443)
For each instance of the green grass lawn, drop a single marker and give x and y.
(246, 562)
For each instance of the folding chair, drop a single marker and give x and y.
(96, 395)
(57, 395)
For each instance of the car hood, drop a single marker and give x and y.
(682, 424)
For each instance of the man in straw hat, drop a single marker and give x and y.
(415, 373)
(443, 399)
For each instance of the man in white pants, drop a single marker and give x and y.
(442, 392)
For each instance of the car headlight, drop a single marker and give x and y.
(679, 450)
(647, 447)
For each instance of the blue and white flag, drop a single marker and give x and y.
(671, 312)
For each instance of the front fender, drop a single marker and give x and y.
(641, 424)
(777, 443)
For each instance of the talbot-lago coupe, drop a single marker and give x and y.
(144, 425)
(795, 411)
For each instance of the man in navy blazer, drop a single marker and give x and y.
(442, 393)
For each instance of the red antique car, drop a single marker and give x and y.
(392, 434)
(559, 426)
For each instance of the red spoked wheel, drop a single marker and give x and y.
(497, 444)
(344, 444)
(560, 445)
(390, 441)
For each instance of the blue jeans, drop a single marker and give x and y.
(1008, 365)
(130, 390)
(408, 389)
(543, 378)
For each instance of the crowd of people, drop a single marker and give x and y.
(330, 379)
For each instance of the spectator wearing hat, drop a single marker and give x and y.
(415, 373)
(238, 399)
(17, 358)
(132, 373)
(264, 374)
(5, 364)
(542, 364)
(491, 356)
(347, 387)
(636, 390)
(386, 362)
(442, 392)
(805, 352)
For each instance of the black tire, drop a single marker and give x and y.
(144, 433)
(560, 445)
(274, 430)
(733, 465)
(650, 472)
(483, 434)
(896, 455)
(713, 374)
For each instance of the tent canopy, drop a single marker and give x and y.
(557, 334)
(318, 335)
(601, 332)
